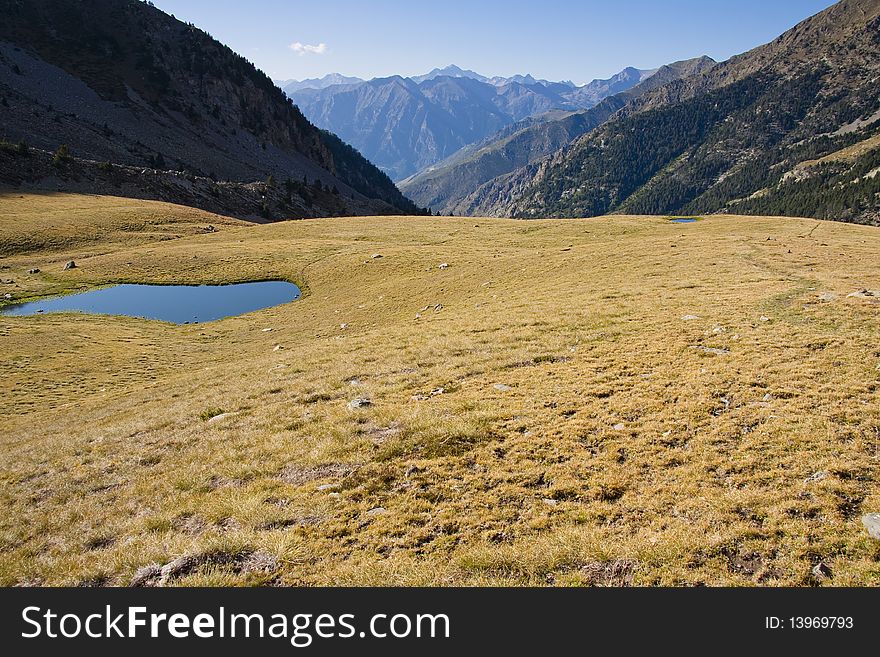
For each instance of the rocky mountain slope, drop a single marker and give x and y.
(138, 88)
(447, 186)
(787, 128)
(407, 124)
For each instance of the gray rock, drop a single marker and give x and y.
(501, 387)
(360, 402)
(871, 521)
(444, 265)
(35, 270)
(220, 418)
(180, 566)
(689, 318)
(147, 576)
(70, 264)
(620, 426)
(378, 511)
(260, 562)
(714, 351)
(816, 476)
(821, 570)
(327, 486)
(376, 256)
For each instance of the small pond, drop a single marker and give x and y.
(684, 220)
(179, 304)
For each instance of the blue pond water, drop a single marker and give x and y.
(179, 304)
(683, 221)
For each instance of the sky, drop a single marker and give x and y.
(551, 39)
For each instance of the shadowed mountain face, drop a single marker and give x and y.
(406, 124)
(789, 128)
(447, 185)
(138, 88)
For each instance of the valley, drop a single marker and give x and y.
(621, 400)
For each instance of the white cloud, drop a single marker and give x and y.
(308, 49)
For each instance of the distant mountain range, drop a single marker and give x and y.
(289, 86)
(447, 185)
(148, 106)
(406, 124)
(791, 128)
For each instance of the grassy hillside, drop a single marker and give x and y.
(608, 401)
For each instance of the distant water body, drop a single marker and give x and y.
(179, 304)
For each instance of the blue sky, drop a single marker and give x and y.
(553, 39)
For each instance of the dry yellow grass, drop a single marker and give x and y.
(579, 431)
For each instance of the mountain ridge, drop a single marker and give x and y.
(406, 124)
(725, 138)
(142, 89)
(447, 185)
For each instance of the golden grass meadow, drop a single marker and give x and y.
(619, 400)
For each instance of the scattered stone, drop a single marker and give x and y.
(613, 573)
(267, 330)
(343, 326)
(355, 382)
(689, 318)
(35, 270)
(764, 318)
(719, 329)
(70, 264)
(277, 347)
(327, 487)
(715, 351)
(816, 476)
(821, 570)
(768, 397)
(298, 475)
(334, 495)
(501, 387)
(863, 294)
(260, 561)
(550, 502)
(444, 265)
(147, 576)
(828, 296)
(620, 426)
(376, 256)
(871, 521)
(377, 511)
(438, 307)
(360, 402)
(437, 391)
(221, 417)
(7, 296)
